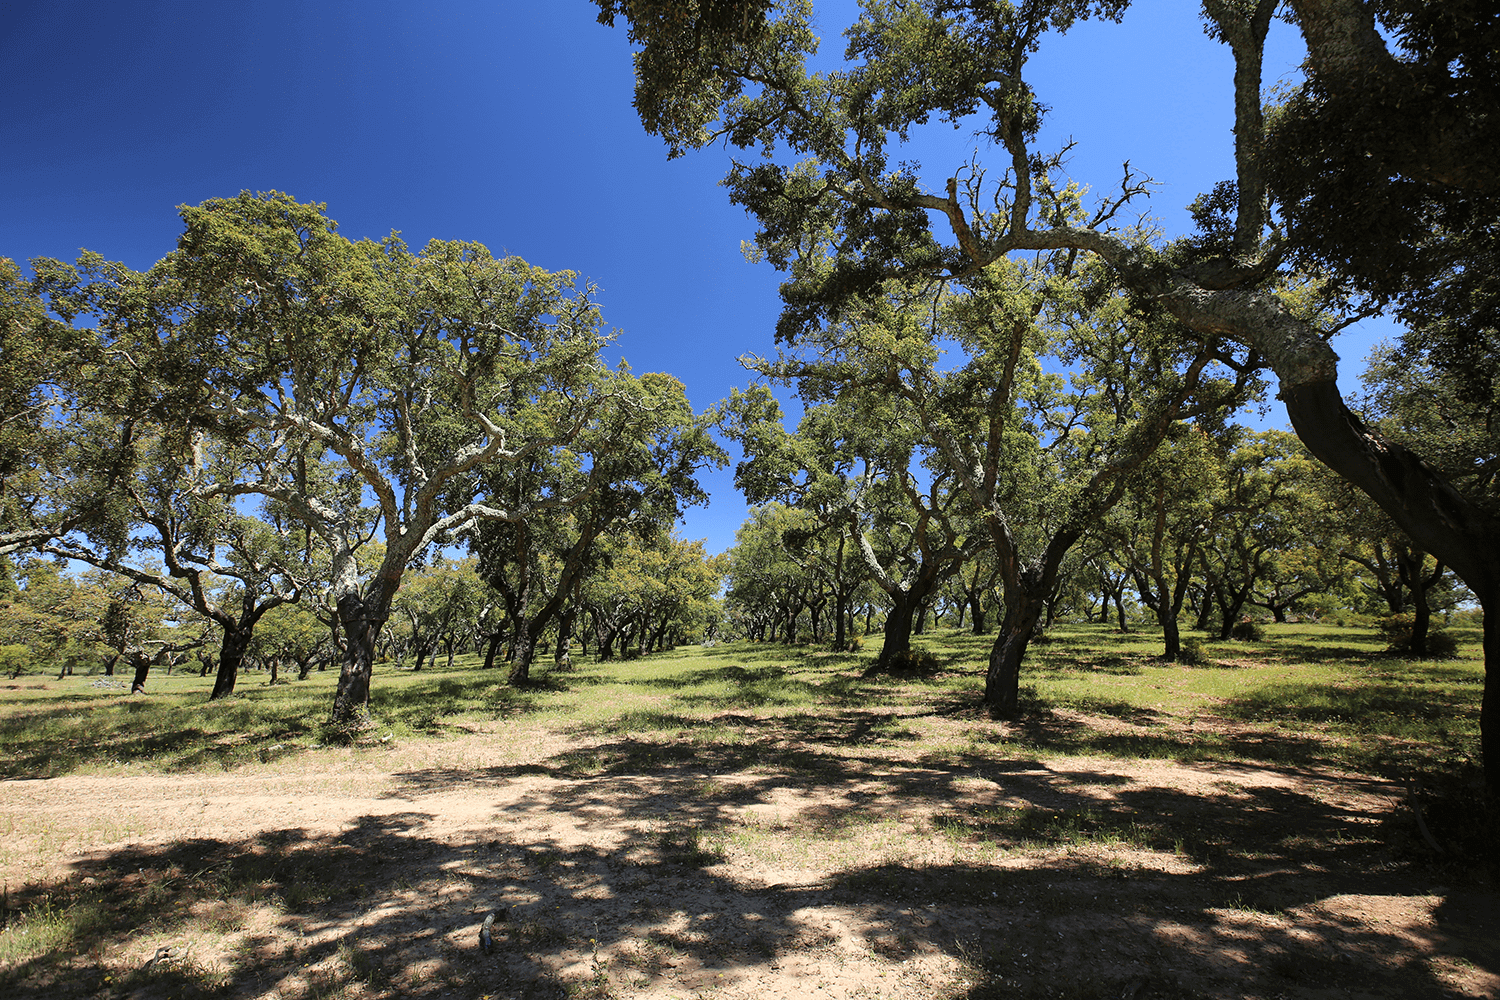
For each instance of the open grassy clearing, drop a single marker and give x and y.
(1347, 704)
(745, 819)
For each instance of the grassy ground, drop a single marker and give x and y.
(718, 733)
(1317, 693)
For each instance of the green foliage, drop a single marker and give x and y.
(1192, 653)
(398, 377)
(15, 659)
(1248, 630)
(1398, 632)
(678, 92)
(61, 621)
(1451, 414)
(1381, 161)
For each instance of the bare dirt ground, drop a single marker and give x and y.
(795, 863)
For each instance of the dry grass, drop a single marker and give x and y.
(756, 821)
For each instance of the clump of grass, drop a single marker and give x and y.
(1248, 630)
(1191, 653)
(1032, 826)
(48, 926)
(691, 845)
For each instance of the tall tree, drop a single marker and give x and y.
(632, 469)
(847, 215)
(1037, 457)
(404, 372)
(1157, 533)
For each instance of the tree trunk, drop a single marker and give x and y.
(1421, 624)
(523, 648)
(1171, 638)
(604, 638)
(898, 625)
(142, 668)
(361, 619)
(560, 658)
(231, 655)
(1002, 682)
(1205, 607)
(1231, 603)
(489, 656)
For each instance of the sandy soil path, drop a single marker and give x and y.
(857, 874)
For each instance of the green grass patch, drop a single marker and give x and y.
(1304, 694)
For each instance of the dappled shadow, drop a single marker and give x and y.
(766, 686)
(1231, 892)
(1388, 724)
(184, 733)
(1363, 705)
(1046, 729)
(620, 861)
(33, 749)
(1292, 651)
(1055, 663)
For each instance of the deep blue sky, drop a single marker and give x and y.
(509, 123)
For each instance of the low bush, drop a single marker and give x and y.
(1248, 629)
(1192, 653)
(1397, 630)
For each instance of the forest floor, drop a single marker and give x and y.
(753, 845)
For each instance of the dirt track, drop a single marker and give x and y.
(778, 868)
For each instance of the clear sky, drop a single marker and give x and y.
(510, 123)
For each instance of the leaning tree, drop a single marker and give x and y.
(840, 212)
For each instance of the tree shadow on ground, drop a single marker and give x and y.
(187, 733)
(617, 873)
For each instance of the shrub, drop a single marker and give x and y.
(1192, 653)
(1441, 645)
(15, 660)
(1397, 630)
(1248, 629)
(913, 661)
